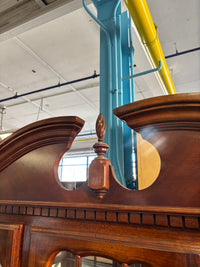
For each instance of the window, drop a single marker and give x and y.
(73, 170)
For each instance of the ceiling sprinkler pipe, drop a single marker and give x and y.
(183, 52)
(144, 72)
(50, 87)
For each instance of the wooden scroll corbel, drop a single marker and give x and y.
(98, 179)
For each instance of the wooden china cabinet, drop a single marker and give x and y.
(102, 223)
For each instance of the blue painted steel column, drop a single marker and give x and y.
(127, 132)
(106, 82)
(113, 62)
(117, 153)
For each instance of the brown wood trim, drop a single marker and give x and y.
(109, 207)
(45, 132)
(172, 112)
(169, 220)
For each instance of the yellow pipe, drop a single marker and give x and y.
(143, 21)
(85, 140)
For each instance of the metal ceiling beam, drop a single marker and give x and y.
(29, 14)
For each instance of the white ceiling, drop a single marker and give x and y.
(67, 48)
(179, 28)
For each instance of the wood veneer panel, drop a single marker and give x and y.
(10, 245)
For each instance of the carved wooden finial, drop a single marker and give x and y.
(100, 127)
(100, 148)
(98, 179)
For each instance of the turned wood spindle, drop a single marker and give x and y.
(98, 179)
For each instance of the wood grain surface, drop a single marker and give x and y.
(158, 226)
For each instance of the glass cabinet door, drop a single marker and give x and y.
(93, 261)
(64, 259)
(67, 259)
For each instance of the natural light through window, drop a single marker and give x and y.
(74, 169)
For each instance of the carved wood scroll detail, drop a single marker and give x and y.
(98, 179)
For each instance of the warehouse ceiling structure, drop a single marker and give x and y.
(46, 43)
